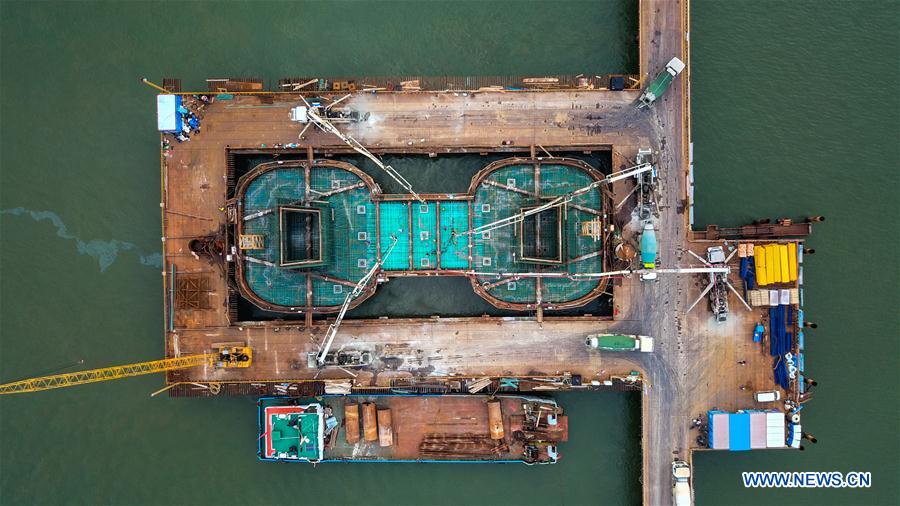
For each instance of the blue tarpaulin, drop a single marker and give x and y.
(780, 340)
(748, 273)
(773, 331)
(739, 431)
(781, 373)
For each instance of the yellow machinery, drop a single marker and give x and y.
(228, 356)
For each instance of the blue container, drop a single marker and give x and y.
(739, 431)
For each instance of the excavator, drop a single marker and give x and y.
(224, 356)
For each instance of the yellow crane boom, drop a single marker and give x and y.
(225, 357)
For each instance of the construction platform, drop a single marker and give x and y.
(262, 236)
(308, 233)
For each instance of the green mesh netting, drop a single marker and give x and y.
(348, 226)
(497, 250)
(350, 236)
(454, 244)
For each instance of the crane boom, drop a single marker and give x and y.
(329, 127)
(226, 357)
(357, 290)
(592, 275)
(104, 374)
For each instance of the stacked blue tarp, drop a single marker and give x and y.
(739, 431)
(781, 373)
(781, 341)
(795, 433)
(748, 272)
(773, 330)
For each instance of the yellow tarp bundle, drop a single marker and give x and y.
(776, 264)
(792, 253)
(785, 263)
(759, 255)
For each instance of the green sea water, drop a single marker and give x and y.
(795, 113)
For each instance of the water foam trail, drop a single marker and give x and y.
(105, 252)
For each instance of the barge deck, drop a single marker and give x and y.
(411, 428)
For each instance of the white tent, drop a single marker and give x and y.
(167, 117)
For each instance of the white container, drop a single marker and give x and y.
(775, 434)
(784, 297)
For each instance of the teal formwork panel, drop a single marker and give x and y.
(558, 180)
(394, 218)
(348, 226)
(278, 286)
(327, 293)
(351, 223)
(276, 187)
(454, 244)
(520, 291)
(497, 252)
(424, 235)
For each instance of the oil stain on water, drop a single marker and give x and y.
(105, 252)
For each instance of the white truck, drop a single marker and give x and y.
(681, 486)
(768, 396)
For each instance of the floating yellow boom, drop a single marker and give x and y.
(237, 356)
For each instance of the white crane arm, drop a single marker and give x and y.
(329, 127)
(357, 290)
(561, 200)
(592, 275)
